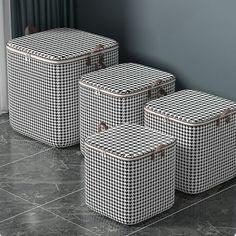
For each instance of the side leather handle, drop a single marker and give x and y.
(225, 114)
(100, 64)
(98, 48)
(102, 126)
(160, 149)
(160, 93)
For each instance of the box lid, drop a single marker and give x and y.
(61, 44)
(192, 107)
(126, 79)
(129, 141)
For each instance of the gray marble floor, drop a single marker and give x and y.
(42, 193)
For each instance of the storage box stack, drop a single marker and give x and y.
(129, 169)
(44, 71)
(118, 94)
(205, 127)
(129, 173)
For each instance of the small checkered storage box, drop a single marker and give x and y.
(44, 71)
(118, 94)
(205, 128)
(129, 173)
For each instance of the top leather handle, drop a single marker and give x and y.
(98, 48)
(225, 114)
(156, 83)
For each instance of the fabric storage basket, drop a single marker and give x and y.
(44, 71)
(129, 173)
(205, 127)
(118, 94)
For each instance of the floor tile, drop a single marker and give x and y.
(39, 222)
(8, 133)
(73, 208)
(12, 151)
(11, 205)
(46, 176)
(40, 177)
(14, 146)
(215, 216)
(4, 118)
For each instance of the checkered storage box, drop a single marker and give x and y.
(205, 128)
(44, 71)
(129, 173)
(118, 95)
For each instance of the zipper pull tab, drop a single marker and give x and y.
(27, 57)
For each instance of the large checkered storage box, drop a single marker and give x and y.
(118, 95)
(129, 173)
(205, 128)
(44, 71)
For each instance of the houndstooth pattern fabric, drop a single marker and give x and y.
(126, 78)
(191, 106)
(205, 153)
(60, 43)
(129, 190)
(141, 139)
(97, 106)
(44, 97)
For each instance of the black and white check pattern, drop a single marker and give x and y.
(205, 151)
(127, 89)
(126, 78)
(44, 97)
(191, 106)
(138, 183)
(60, 44)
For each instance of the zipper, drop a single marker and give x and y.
(98, 90)
(186, 123)
(104, 153)
(63, 61)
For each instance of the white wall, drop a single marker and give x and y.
(5, 35)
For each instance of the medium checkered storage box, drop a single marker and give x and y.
(118, 95)
(44, 71)
(129, 173)
(205, 128)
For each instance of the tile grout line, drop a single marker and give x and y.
(42, 208)
(164, 218)
(78, 190)
(12, 217)
(40, 205)
(68, 220)
(48, 149)
(36, 205)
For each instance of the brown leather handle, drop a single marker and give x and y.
(161, 148)
(30, 29)
(156, 83)
(98, 48)
(100, 64)
(102, 126)
(88, 61)
(160, 93)
(225, 114)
